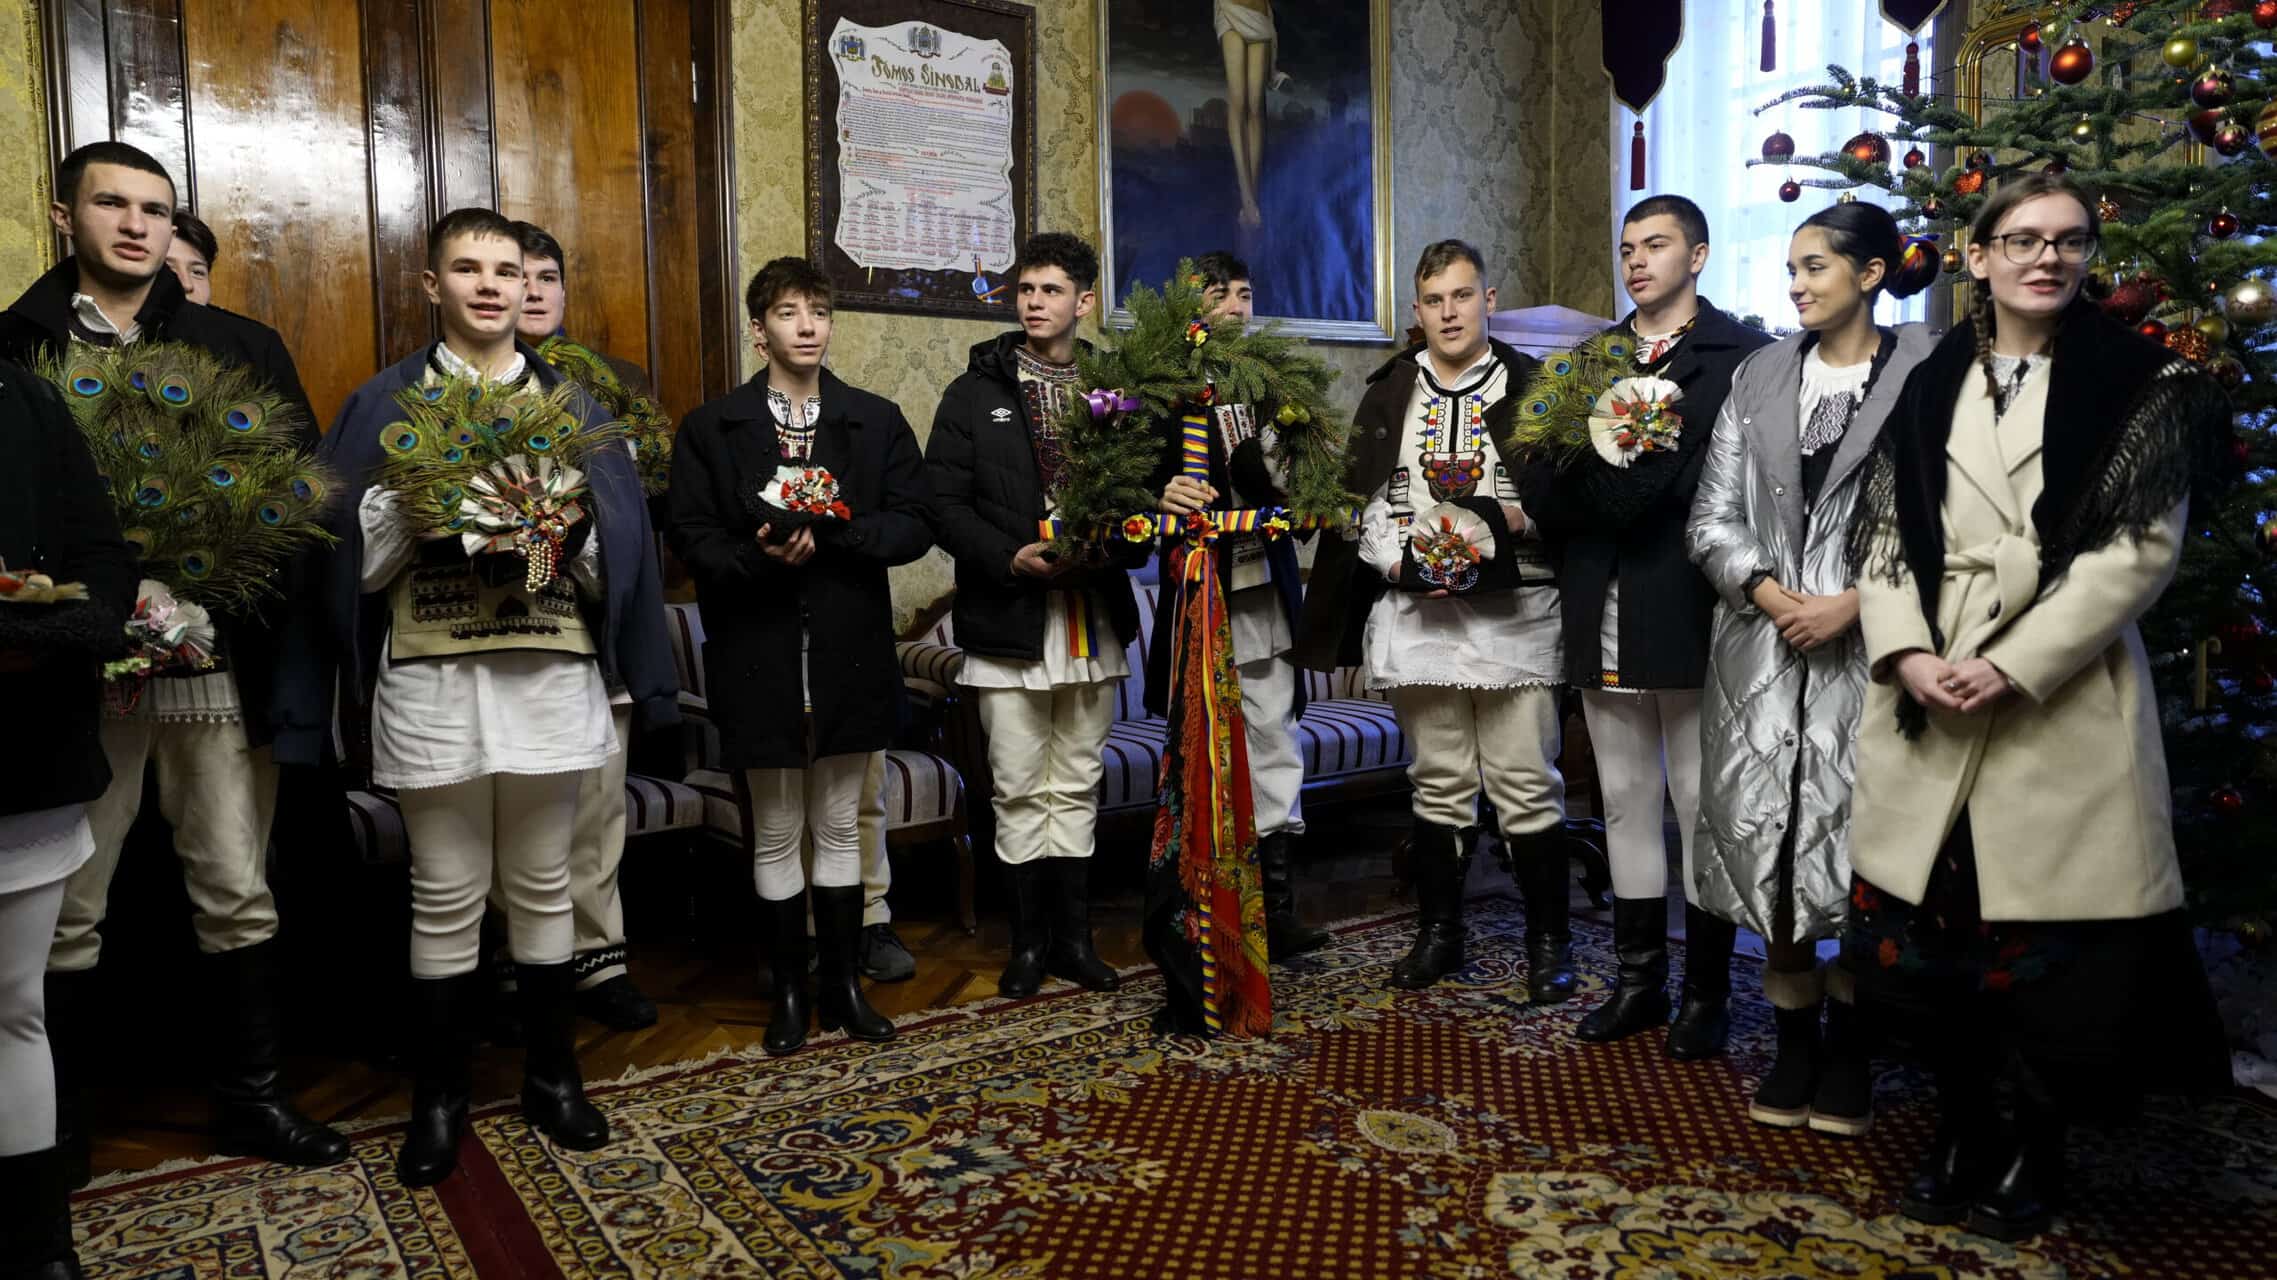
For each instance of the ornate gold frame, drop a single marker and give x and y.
(1384, 327)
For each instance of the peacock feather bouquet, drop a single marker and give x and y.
(500, 466)
(644, 422)
(204, 464)
(1592, 400)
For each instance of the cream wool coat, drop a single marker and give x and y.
(2064, 781)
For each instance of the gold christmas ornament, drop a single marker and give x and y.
(2181, 51)
(2216, 329)
(1950, 260)
(2249, 302)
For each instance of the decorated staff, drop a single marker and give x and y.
(1444, 597)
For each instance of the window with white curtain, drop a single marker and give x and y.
(1702, 129)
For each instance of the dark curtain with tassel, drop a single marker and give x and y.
(1638, 37)
(1912, 15)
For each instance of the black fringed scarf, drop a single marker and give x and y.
(2105, 474)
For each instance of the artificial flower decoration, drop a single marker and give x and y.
(1449, 544)
(1138, 528)
(807, 490)
(34, 587)
(163, 634)
(1197, 333)
(1635, 417)
(514, 505)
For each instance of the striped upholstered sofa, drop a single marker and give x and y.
(1351, 744)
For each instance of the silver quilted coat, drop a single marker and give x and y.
(1768, 709)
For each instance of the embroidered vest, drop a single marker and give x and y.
(448, 608)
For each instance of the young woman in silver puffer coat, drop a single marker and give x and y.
(1786, 669)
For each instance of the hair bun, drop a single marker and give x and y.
(1916, 268)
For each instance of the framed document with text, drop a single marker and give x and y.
(920, 151)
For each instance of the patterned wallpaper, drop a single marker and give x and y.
(1512, 94)
(25, 243)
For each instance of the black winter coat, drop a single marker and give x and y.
(55, 517)
(1599, 522)
(754, 607)
(1343, 587)
(39, 322)
(989, 503)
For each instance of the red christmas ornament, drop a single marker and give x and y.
(1778, 146)
(2072, 63)
(1790, 191)
(2029, 37)
(2203, 124)
(2152, 330)
(1933, 208)
(1914, 159)
(2218, 9)
(2241, 452)
(2056, 165)
(2213, 88)
(2134, 299)
(2222, 225)
(2229, 800)
(1868, 148)
(2265, 14)
(2231, 139)
(2124, 12)
(2230, 372)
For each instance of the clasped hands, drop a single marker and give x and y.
(1806, 622)
(1971, 684)
(792, 551)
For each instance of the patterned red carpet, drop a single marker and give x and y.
(1454, 1133)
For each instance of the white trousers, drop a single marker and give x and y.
(514, 827)
(877, 872)
(791, 807)
(1043, 749)
(1276, 767)
(1639, 740)
(27, 1069)
(596, 856)
(1505, 740)
(220, 799)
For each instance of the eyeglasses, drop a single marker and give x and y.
(2023, 248)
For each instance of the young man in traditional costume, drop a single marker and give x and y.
(605, 990)
(1637, 614)
(791, 497)
(494, 650)
(1444, 597)
(1043, 635)
(1263, 594)
(209, 733)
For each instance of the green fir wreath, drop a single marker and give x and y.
(644, 422)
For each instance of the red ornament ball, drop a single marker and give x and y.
(1868, 148)
(2152, 330)
(2185, 341)
(1951, 261)
(2204, 124)
(2230, 372)
(2072, 63)
(2222, 225)
(2229, 800)
(2213, 88)
(2232, 138)
(1914, 159)
(2265, 14)
(1933, 208)
(1790, 191)
(2124, 12)
(2029, 37)
(1968, 182)
(2134, 299)
(2055, 166)
(1778, 146)
(2218, 9)
(2241, 452)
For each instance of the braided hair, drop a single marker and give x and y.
(2005, 200)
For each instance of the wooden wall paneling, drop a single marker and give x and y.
(143, 40)
(569, 148)
(461, 112)
(80, 98)
(719, 294)
(675, 260)
(401, 158)
(276, 91)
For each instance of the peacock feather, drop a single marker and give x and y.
(451, 429)
(198, 455)
(1552, 418)
(645, 424)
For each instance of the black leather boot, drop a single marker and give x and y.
(70, 998)
(1703, 1020)
(617, 1003)
(2025, 1188)
(1285, 934)
(553, 1091)
(1071, 954)
(442, 1056)
(251, 1114)
(1024, 897)
(1440, 856)
(1783, 1099)
(786, 965)
(35, 1228)
(838, 937)
(1538, 863)
(1946, 1181)
(1843, 1105)
(1640, 994)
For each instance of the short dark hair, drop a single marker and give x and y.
(124, 155)
(785, 275)
(1446, 253)
(191, 229)
(470, 221)
(1220, 269)
(1059, 249)
(1689, 219)
(537, 242)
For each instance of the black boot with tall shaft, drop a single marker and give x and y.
(1439, 856)
(1071, 954)
(1538, 862)
(1703, 1020)
(1025, 895)
(786, 965)
(442, 1063)
(35, 1222)
(1285, 934)
(553, 1090)
(1639, 1001)
(251, 1114)
(839, 1002)
(70, 995)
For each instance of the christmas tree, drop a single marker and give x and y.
(2168, 119)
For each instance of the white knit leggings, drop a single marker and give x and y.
(27, 1072)
(1639, 739)
(514, 826)
(823, 800)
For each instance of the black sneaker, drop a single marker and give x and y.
(884, 959)
(618, 1004)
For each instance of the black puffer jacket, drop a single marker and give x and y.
(989, 502)
(40, 322)
(55, 517)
